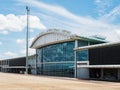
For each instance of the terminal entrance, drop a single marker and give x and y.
(104, 74)
(95, 73)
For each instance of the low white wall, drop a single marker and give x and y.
(82, 73)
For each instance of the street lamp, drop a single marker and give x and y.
(28, 12)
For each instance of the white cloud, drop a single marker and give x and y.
(76, 24)
(20, 41)
(112, 15)
(97, 1)
(23, 41)
(65, 13)
(34, 22)
(10, 54)
(118, 34)
(23, 51)
(1, 43)
(31, 30)
(102, 6)
(31, 51)
(15, 23)
(118, 31)
(4, 32)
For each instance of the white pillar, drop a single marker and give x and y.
(75, 58)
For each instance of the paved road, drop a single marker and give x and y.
(28, 82)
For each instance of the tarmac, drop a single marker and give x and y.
(10, 81)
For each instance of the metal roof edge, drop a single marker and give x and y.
(91, 39)
(18, 57)
(99, 66)
(97, 46)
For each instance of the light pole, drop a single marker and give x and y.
(28, 11)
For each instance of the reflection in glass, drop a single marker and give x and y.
(59, 69)
(82, 55)
(59, 52)
(56, 60)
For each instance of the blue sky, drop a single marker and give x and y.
(82, 17)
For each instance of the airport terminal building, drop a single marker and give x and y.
(60, 53)
(55, 55)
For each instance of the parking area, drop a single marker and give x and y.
(10, 81)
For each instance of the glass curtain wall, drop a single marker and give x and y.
(56, 60)
(82, 55)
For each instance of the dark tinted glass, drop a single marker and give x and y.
(82, 55)
(82, 43)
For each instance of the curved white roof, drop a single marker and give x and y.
(50, 37)
(53, 36)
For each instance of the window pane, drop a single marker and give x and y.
(82, 55)
(39, 56)
(82, 43)
(59, 69)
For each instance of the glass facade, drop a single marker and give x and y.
(39, 56)
(58, 69)
(56, 60)
(59, 52)
(82, 55)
